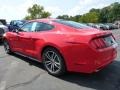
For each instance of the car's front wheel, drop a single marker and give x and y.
(7, 47)
(53, 62)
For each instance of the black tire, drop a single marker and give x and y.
(7, 47)
(56, 60)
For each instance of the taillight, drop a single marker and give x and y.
(98, 43)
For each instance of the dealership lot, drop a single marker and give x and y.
(19, 73)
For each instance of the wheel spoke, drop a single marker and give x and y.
(53, 68)
(53, 55)
(57, 65)
(48, 56)
(48, 63)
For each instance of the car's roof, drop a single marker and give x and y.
(44, 20)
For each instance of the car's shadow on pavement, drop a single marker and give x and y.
(106, 79)
(29, 61)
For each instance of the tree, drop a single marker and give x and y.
(36, 12)
(107, 14)
(92, 17)
(95, 10)
(110, 13)
(65, 17)
(76, 18)
(114, 13)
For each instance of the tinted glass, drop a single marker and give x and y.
(72, 24)
(43, 27)
(27, 27)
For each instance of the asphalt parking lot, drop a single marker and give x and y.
(19, 73)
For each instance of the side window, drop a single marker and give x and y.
(43, 27)
(27, 27)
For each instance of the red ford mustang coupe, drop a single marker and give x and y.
(63, 45)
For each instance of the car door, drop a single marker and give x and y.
(36, 34)
(29, 35)
(24, 38)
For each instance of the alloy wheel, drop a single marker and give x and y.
(52, 62)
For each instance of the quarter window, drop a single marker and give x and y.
(43, 27)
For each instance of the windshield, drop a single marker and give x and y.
(72, 24)
(19, 23)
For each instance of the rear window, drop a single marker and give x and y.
(72, 24)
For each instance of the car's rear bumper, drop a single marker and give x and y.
(91, 68)
(84, 59)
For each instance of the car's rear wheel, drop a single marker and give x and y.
(7, 47)
(53, 62)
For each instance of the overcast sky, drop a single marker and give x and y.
(17, 9)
